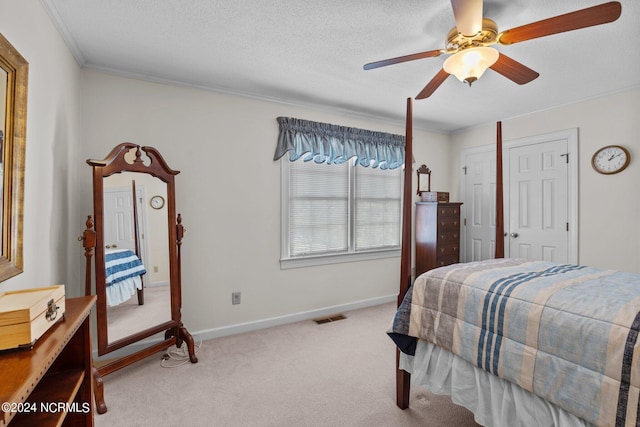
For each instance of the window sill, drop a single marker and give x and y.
(310, 261)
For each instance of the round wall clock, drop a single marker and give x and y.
(611, 159)
(157, 202)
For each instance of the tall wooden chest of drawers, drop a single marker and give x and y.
(437, 235)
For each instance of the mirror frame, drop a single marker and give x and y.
(423, 170)
(13, 155)
(116, 163)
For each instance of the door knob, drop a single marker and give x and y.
(514, 234)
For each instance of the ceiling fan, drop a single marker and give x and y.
(469, 43)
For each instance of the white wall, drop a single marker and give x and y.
(228, 193)
(52, 135)
(609, 234)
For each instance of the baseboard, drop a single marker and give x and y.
(239, 328)
(290, 318)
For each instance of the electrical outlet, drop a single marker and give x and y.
(155, 269)
(235, 298)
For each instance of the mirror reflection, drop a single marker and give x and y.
(136, 253)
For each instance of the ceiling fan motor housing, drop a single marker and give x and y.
(485, 37)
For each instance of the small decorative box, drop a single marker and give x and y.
(434, 196)
(25, 315)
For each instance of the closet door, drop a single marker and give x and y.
(538, 221)
(540, 198)
(118, 220)
(479, 220)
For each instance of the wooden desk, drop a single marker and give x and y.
(51, 384)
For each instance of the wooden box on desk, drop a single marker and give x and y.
(27, 314)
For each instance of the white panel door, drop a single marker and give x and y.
(479, 206)
(119, 230)
(540, 198)
(118, 220)
(538, 202)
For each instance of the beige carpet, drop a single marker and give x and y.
(303, 374)
(128, 318)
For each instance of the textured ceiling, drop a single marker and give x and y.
(312, 53)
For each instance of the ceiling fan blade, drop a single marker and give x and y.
(596, 15)
(433, 85)
(406, 58)
(513, 70)
(468, 14)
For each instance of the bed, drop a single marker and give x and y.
(123, 271)
(518, 342)
(565, 333)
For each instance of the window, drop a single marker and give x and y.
(339, 213)
(341, 193)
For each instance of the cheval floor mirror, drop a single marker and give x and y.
(135, 237)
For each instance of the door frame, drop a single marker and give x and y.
(571, 135)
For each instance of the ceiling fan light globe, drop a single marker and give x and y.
(468, 65)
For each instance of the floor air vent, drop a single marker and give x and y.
(330, 319)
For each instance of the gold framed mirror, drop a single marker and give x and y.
(13, 86)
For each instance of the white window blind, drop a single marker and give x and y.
(378, 208)
(340, 210)
(318, 208)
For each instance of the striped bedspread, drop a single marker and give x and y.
(122, 264)
(564, 332)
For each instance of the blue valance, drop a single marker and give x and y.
(324, 142)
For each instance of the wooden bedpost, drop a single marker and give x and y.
(499, 195)
(403, 378)
(136, 233)
(88, 240)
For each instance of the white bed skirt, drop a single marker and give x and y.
(494, 402)
(120, 292)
